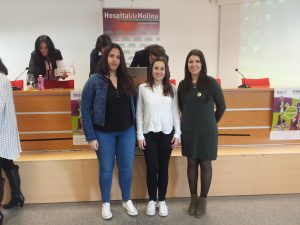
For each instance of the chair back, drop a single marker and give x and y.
(17, 83)
(173, 81)
(260, 82)
(65, 84)
(218, 81)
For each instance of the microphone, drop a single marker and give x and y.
(243, 85)
(14, 87)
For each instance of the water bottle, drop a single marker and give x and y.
(40, 82)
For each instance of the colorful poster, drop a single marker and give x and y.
(132, 29)
(78, 135)
(286, 114)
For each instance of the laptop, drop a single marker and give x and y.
(138, 74)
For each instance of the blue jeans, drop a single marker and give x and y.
(119, 145)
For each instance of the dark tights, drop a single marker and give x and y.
(6, 164)
(206, 174)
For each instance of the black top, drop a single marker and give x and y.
(94, 59)
(37, 64)
(141, 59)
(118, 115)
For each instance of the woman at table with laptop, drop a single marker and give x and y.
(43, 61)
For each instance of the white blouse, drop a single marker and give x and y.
(156, 112)
(9, 135)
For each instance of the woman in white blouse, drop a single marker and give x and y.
(9, 141)
(158, 131)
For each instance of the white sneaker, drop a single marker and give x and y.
(106, 212)
(163, 208)
(131, 210)
(151, 208)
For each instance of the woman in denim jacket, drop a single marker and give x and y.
(108, 117)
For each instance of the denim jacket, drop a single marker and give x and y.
(93, 104)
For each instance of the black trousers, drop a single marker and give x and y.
(157, 155)
(6, 164)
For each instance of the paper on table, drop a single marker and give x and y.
(64, 66)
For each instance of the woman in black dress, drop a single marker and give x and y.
(198, 95)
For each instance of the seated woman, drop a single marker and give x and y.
(43, 61)
(295, 123)
(281, 123)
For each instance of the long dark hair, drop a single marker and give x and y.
(102, 41)
(167, 87)
(51, 48)
(125, 80)
(3, 68)
(203, 82)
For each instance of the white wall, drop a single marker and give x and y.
(261, 38)
(74, 25)
(229, 45)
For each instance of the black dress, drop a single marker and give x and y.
(199, 136)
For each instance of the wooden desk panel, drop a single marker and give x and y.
(246, 118)
(246, 121)
(249, 98)
(35, 136)
(249, 137)
(42, 104)
(44, 122)
(48, 145)
(44, 119)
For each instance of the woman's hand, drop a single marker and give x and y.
(64, 76)
(142, 144)
(174, 142)
(30, 87)
(93, 145)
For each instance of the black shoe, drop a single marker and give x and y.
(17, 200)
(201, 208)
(1, 198)
(193, 204)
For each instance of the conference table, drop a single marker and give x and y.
(44, 119)
(248, 162)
